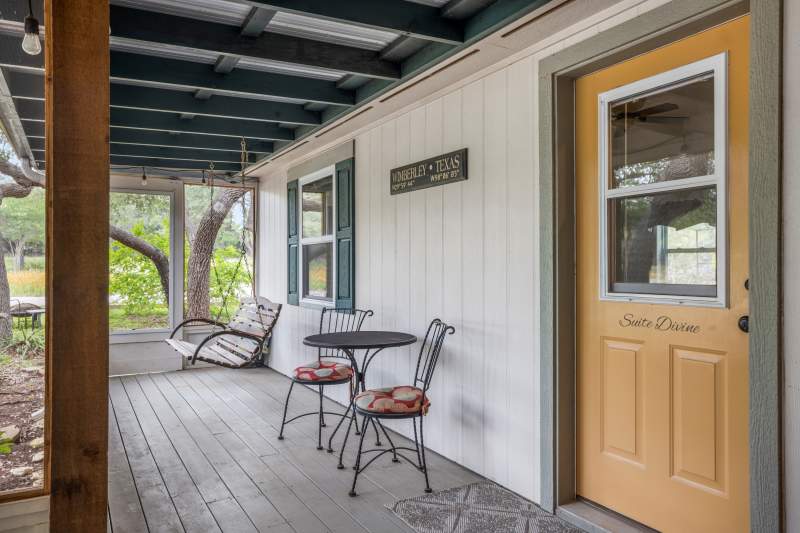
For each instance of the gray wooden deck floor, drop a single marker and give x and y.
(198, 451)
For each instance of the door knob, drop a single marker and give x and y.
(744, 323)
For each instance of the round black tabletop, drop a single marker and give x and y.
(360, 340)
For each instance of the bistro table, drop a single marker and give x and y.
(372, 342)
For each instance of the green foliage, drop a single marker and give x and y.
(22, 219)
(24, 342)
(134, 279)
(31, 345)
(232, 280)
(137, 298)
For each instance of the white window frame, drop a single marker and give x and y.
(175, 281)
(716, 66)
(329, 171)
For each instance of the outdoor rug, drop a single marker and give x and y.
(482, 507)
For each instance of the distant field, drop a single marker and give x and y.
(26, 283)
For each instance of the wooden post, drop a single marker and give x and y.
(77, 118)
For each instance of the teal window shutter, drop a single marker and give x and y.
(293, 292)
(345, 234)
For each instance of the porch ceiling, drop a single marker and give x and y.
(191, 78)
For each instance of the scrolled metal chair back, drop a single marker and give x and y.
(429, 352)
(337, 320)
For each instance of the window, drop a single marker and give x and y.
(219, 259)
(317, 206)
(139, 261)
(662, 174)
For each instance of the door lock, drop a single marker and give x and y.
(744, 323)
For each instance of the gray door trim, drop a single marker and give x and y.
(557, 73)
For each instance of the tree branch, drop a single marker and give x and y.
(159, 259)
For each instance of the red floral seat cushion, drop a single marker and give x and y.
(393, 400)
(323, 371)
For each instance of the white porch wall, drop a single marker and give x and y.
(791, 240)
(466, 252)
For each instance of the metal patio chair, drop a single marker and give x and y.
(407, 401)
(331, 367)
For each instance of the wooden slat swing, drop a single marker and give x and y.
(244, 340)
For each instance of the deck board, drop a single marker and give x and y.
(198, 451)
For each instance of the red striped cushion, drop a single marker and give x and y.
(323, 371)
(393, 400)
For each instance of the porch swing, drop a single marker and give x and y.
(245, 339)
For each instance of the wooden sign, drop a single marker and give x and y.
(447, 168)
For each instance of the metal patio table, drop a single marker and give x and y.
(372, 342)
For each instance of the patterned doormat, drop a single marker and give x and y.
(482, 507)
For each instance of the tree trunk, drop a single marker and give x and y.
(5, 299)
(202, 249)
(19, 257)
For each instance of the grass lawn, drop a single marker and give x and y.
(155, 317)
(26, 283)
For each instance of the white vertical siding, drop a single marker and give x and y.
(462, 252)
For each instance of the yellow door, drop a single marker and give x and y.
(662, 245)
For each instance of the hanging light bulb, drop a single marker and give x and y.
(144, 177)
(31, 43)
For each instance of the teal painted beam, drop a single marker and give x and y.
(129, 96)
(163, 152)
(172, 163)
(187, 140)
(189, 76)
(226, 40)
(157, 139)
(497, 15)
(33, 110)
(31, 85)
(29, 109)
(405, 18)
(33, 128)
(240, 82)
(151, 120)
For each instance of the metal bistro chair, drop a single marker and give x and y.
(409, 401)
(326, 371)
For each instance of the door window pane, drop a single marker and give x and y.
(318, 208)
(318, 271)
(139, 261)
(662, 136)
(665, 243)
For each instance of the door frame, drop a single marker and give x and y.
(557, 74)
